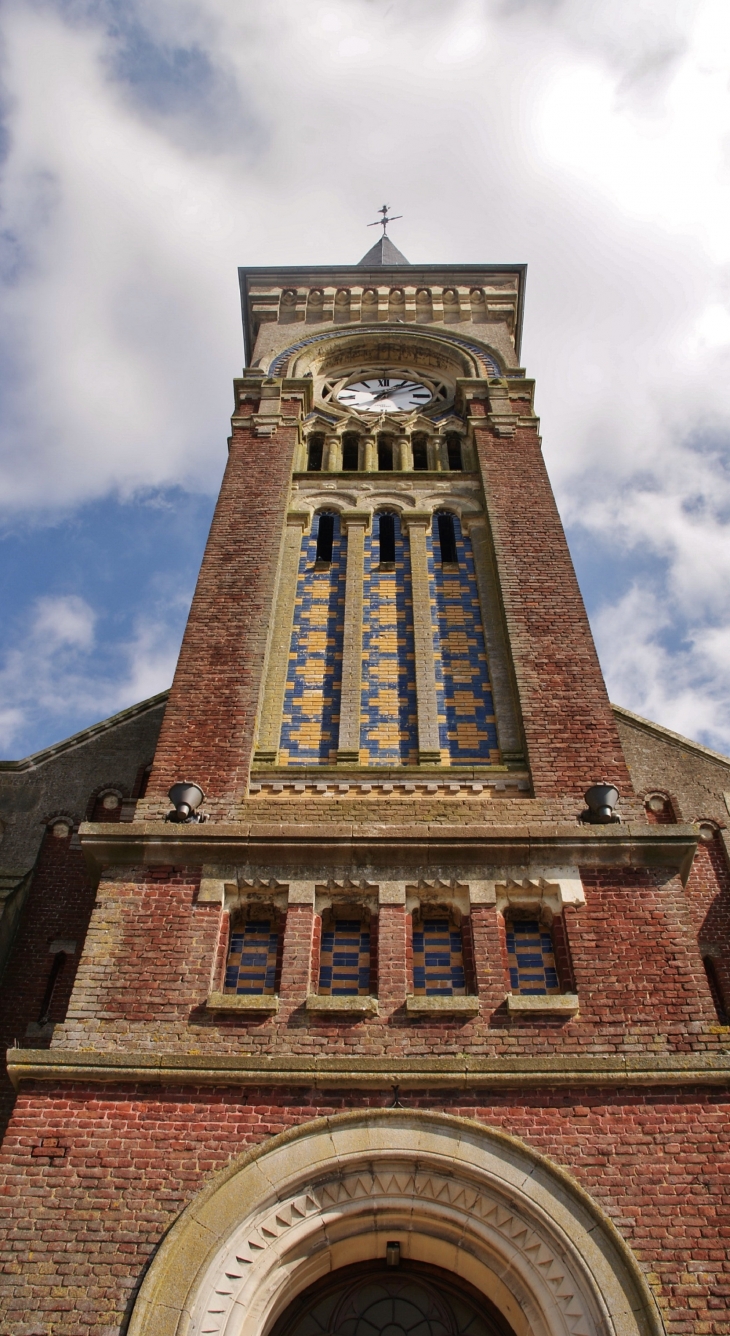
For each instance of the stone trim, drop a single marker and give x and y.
(324, 1073)
(455, 1193)
(328, 1002)
(416, 524)
(243, 1002)
(555, 1004)
(277, 666)
(468, 1005)
(355, 523)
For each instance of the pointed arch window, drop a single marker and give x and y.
(447, 539)
(386, 539)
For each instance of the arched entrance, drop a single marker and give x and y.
(406, 1300)
(452, 1193)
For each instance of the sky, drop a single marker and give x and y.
(149, 147)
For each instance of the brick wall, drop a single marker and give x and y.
(571, 736)
(90, 1180)
(57, 909)
(208, 731)
(151, 953)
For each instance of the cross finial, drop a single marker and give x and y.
(383, 222)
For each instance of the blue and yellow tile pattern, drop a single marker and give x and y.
(344, 968)
(438, 959)
(251, 964)
(389, 729)
(467, 729)
(311, 715)
(532, 969)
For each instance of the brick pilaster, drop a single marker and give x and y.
(570, 733)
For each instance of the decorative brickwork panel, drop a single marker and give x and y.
(312, 699)
(438, 958)
(467, 729)
(252, 956)
(531, 958)
(389, 713)
(344, 962)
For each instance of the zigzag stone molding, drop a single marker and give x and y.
(454, 1194)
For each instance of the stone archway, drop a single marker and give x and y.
(454, 1193)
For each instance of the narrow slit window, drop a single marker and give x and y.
(715, 989)
(531, 958)
(447, 540)
(438, 957)
(344, 969)
(453, 450)
(350, 452)
(386, 539)
(325, 537)
(385, 453)
(252, 954)
(419, 446)
(315, 451)
(59, 960)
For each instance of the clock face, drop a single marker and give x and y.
(385, 394)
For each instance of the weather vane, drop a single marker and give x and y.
(383, 222)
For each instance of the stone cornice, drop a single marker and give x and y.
(378, 845)
(442, 1072)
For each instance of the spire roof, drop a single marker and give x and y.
(383, 252)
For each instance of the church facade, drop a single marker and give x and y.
(406, 1011)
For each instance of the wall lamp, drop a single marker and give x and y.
(601, 800)
(185, 798)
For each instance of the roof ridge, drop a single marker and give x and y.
(86, 734)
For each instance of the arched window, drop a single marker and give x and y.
(453, 450)
(107, 806)
(350, 452)
(438, 954)
(325, 539)
(531, 956)
(253, 953)
(419, 446)
(315, 451)
(447, 539)
(715, 989)
(344, 959)
(385, 453)
(386, 539)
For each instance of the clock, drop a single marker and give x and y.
(385, 394)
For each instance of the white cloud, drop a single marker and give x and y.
(53, 670)
(588, 137)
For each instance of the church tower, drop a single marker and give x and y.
(389, 1019)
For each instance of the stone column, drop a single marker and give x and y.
(429, 750)
(278, 657)
(333, 454)
(435, 463)
(403, 461)
(369, 454)
(354, 524)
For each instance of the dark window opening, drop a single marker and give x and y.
(419, 445)
(385, 453)
(447, 540)
(453, 449)
(325, 537)
(386, 539)
(315, 451)
(350, 452)
(59, 960)
(715, 989)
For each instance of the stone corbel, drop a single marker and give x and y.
(268, 417)
(537, 888)
(500, 416)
